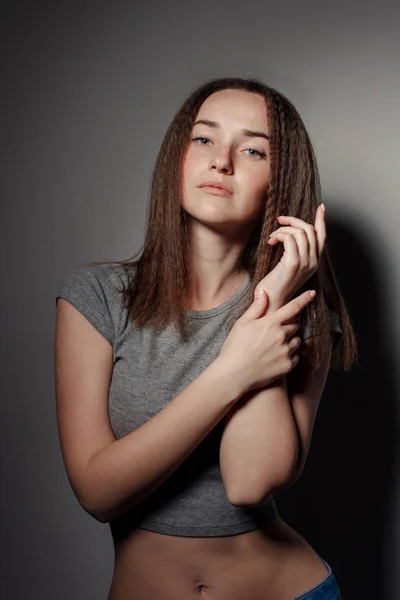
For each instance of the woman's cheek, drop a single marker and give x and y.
(190, 163)
(259, 189)
(261, 180)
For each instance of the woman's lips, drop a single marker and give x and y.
(215, 191)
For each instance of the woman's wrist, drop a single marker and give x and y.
(231, 382)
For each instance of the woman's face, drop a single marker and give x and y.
(229, 146)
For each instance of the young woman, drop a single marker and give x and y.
(185, 400)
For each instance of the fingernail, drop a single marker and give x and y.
(323, 207)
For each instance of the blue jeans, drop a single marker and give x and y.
(328, 589)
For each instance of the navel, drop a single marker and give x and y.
(204, 590)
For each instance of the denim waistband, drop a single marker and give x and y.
(327, 589)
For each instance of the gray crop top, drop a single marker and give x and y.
(149, 370)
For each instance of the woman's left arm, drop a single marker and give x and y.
(267, 434)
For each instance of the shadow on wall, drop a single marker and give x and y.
(341, 502)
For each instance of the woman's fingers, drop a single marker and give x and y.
(294, 343)
(291, 246)
(307, 241)
(294, 307)
(316, 233)
(301, 238)
(320, 228)
(290, 329)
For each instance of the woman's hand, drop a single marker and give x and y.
(261, 348)
(303, 246)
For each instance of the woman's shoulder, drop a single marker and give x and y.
(95, 290)
(109, 275)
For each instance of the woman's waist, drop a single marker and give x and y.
(267, 540)
(271, 555)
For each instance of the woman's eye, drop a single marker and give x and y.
(253, 153)
(199, 140)
(257, 153)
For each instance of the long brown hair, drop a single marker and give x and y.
(155, 296)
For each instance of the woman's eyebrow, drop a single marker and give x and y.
(246, 132)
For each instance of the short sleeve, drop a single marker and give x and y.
(335, 328)
(93, 291)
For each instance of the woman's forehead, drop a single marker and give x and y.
(225, 107)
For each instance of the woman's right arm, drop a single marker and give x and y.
(109, 476)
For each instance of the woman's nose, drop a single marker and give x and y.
(222, 162)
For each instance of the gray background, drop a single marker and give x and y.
(88, 90)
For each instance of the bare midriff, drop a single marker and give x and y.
(271, 563)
